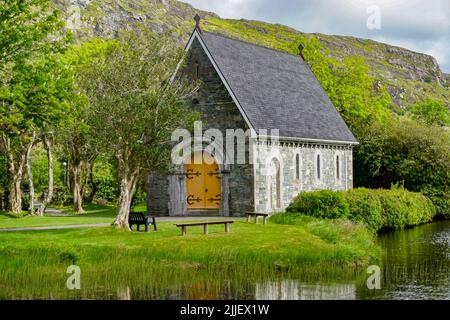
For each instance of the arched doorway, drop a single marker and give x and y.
(275, 184)
(203, 184)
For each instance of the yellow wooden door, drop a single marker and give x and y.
(203, 185)
(213, 192)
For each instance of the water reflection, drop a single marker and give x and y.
(416, 264)
(294, 290)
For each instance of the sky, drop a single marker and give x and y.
(418, 25)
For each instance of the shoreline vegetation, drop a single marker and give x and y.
(379, 210)
(313, 241)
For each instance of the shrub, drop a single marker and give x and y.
(139, 198)
(402, 208)
(320, 204)
(407, 151)
(106, 188)
(377, 209)
(440, 199)
(25, 201)
(62, 197)
(365, 207)
(389, 209)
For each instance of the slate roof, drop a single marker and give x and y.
(277, 90)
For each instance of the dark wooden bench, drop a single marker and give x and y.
(141, 218)
(205, 225)
(257, 215)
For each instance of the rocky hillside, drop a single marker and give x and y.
(410, 76)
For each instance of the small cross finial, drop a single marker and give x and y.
(197, 19)
(300, 48)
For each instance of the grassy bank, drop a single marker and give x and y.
(35, 262)
(269, 244)
(94, 214)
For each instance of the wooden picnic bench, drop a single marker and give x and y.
(257, 215)
(205, 225)
(141, 218)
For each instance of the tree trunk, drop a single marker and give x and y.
(77, 191)
(30, 174)
(16, 164)
(127, 189)
(90, 178)
(48, 199)
(15, 195)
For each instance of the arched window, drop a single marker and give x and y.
(275, 185)
(338, 168)
(318, 167)
(196, 70)
(297, 166)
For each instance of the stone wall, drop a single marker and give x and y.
(167, 195)
(285, 153)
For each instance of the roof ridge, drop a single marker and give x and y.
(253, 44)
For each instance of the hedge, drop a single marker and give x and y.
(377, 209)
(321, 204)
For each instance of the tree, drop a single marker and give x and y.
(36, 96)
(33, 84)
(407, 152)
(135, 107)
(25, 26)
(81, 148)
(432, 112)
(357, 96)
(79, 144)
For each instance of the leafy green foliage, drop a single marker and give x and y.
(377, 209)
(35, 81)
(440, 196)
(356, 95)
(139, 198)
(365, 207)
(39, 167)
(135, 110)
(62, 197)
(106, 188)
(26, 25)
(389, 209)
(405, 151)
(432, 112)
(320, 204)
(35, 84)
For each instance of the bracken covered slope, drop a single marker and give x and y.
(409, 76)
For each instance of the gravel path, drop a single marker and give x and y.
(102, 225)
(51, 212)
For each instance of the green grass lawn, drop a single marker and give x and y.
(95, 214)
(308, 241)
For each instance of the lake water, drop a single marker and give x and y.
(416, 265)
